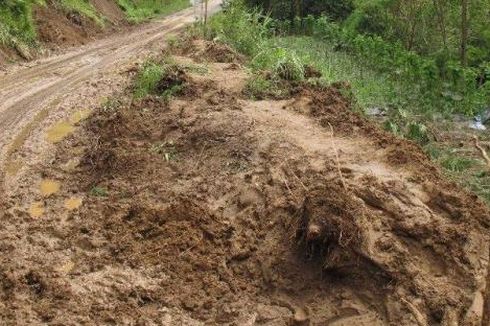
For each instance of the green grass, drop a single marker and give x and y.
(84, 8)
(148, 78)
(99, 192)
(371, 88)
(16, 23)
(140, 10)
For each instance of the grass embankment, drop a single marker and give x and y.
(140, 10)
(16, 24)
(425, 115)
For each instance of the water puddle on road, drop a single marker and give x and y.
(79, 116)
(73, 203)
(59, 131)
(49, 187)
(37, 209)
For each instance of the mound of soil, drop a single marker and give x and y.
(219, 52)
(215, 209)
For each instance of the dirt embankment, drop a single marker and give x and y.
(212, 208)
(58, 28)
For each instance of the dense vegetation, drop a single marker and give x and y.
(439, 47)
(16, 24)
(416, 92)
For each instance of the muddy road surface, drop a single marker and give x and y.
(33, 92)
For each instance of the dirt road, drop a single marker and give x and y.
(31, 93)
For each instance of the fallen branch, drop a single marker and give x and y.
(482, 151)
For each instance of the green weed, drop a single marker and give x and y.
(148, 78)
(99, 191)
(167, 150)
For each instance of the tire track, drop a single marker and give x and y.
(28, 95)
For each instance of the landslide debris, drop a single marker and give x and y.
(222, 210)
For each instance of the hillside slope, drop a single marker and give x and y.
(34, 27)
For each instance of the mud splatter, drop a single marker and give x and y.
(49, 187)
(13, 167)
(73, 203)
(67, 267)
(59, 131)
(37, 209)
(79, 116)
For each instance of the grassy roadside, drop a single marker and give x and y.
(16, 23)
(18, 30)
(444, 136)
(138, 11)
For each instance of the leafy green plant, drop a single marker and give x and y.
(242, 29)
(281, 62)
(16, 23)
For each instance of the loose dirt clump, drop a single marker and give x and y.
(208, 51)
(215, 209)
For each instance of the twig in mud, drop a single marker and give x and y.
(482, 150)
(337, 159)
(191, 247)
(287, 186)
(301, 183)
(421, 320)
(199, 159)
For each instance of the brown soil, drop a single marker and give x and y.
(110, 10)
(217, 52)
(57, 28)
(221, 210)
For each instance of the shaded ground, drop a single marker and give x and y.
(212, 208)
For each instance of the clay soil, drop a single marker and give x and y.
(57, 28)
(211, 208)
